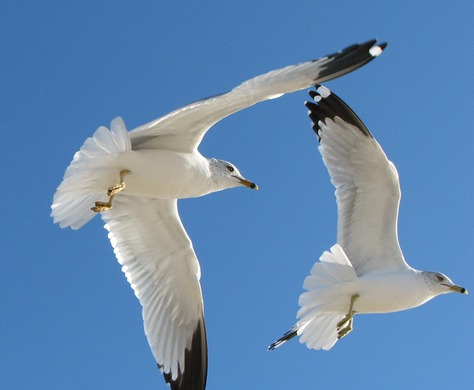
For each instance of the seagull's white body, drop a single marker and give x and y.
(366, 265)
(145, 230)
(373, 290)
(191, 168)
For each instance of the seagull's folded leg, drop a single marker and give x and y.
(345, 325)
(111, 192)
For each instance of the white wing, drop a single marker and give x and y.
(184, 128)
(159, 262)
(367, 186)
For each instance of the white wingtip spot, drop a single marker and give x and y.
(323, 91)
(375, 51)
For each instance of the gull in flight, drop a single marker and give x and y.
(365, 272)
(134, 180)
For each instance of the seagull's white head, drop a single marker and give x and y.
(439, 283)
(226, 175)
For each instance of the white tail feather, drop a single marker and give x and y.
(326, 301)
(91, 172)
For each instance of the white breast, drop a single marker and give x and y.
(392, 292)
(165, 174)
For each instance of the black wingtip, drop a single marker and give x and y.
(283, 339)
(350, 59)
(328, 105)
(194, 375)
(383, 45)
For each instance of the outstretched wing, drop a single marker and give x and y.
(367, 186)
(159, 262)
(183, 129)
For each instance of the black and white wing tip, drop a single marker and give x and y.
(194, 375)
(328, 105)
(349, 59)
(283, 339)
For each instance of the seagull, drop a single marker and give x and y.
(365, 271)
(134, 179)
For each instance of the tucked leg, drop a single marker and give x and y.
(111, 192)
(118, 187)
(345, 325)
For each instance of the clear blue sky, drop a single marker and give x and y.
(69, 319)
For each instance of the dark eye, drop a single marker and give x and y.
(440, 278)
(230, 169)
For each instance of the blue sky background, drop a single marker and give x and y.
(69, 319)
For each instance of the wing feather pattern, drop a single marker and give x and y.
(367, 185)
(184, 128)
(159, 262)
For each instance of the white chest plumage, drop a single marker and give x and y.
(166, 174)
(385, 293)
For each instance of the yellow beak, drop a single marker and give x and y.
(458, 289)
(248, 184)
